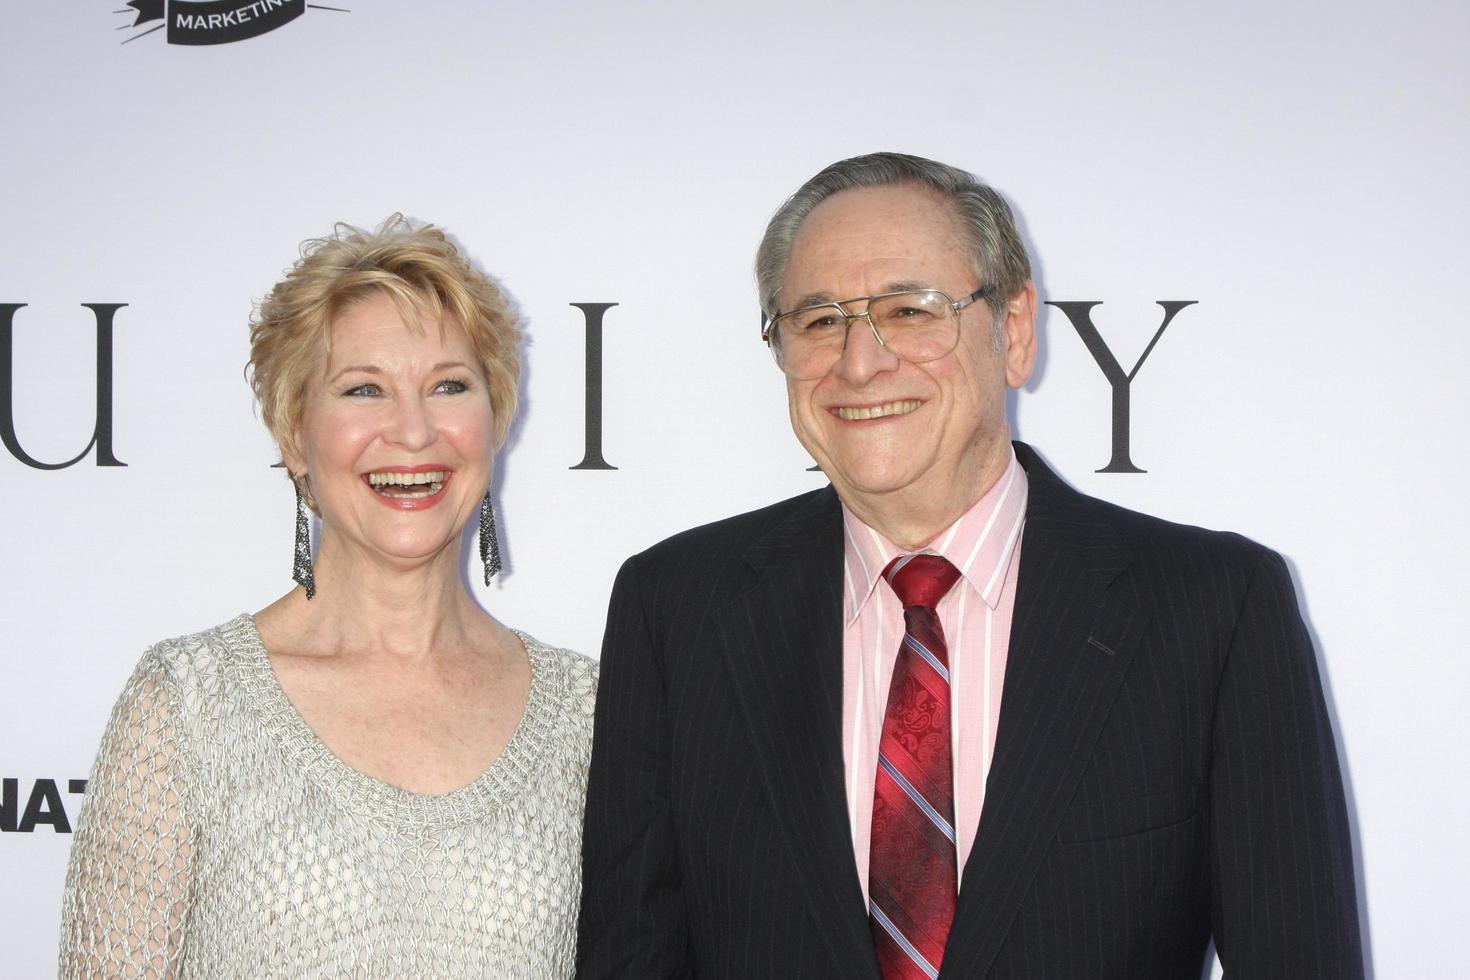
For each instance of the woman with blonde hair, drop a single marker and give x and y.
(371, 776)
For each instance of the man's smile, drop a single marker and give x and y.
(855, 413)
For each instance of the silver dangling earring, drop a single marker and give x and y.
(489, 546)
(301, 571)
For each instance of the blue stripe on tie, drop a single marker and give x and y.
(929, 658)
(903, 943)
(917, 797)
(898, 566)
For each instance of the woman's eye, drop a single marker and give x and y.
(365, 390)
(450, 386)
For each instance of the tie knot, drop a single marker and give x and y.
(920, 580)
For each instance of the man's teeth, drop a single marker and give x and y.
(878, 411)
(406, 479)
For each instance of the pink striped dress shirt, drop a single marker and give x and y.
(985, 545)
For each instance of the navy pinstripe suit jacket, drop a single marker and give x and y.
(1164, 769)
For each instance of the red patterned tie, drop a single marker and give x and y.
(912, 882)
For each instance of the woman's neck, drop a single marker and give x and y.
(366, 605)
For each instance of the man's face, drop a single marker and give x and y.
(886, 431)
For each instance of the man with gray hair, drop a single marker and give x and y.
(948, 717)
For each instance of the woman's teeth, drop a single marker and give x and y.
(408, 484)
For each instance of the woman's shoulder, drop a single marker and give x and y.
(176, 692)
(195, 659)
(572, 676)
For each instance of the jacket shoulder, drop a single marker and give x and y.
(724, 541)
(1155, 535)
(1184, 564)
(1077, 517)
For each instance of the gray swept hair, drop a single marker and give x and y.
(997, 253)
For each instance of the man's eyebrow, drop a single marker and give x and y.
(905, 286)
(811, 299)
(822, 298)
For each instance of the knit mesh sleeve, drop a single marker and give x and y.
(128, 882)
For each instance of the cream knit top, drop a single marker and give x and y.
(221, 838)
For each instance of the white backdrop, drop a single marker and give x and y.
(1299, 170)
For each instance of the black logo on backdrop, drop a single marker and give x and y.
(102, 426)
(1080, 315)
(197, 22)
(592, 418)
(43, 805)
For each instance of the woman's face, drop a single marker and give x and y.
(397, 437)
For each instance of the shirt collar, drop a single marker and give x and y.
(980, 544)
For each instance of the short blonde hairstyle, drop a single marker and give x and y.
(421, 271)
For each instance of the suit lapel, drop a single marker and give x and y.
(783, 643)
(1071, 643)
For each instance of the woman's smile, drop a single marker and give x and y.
(407, 489)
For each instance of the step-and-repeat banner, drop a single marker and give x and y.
(1249, 222)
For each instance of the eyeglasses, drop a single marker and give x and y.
(918, 325)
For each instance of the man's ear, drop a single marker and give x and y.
(1020, 333)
